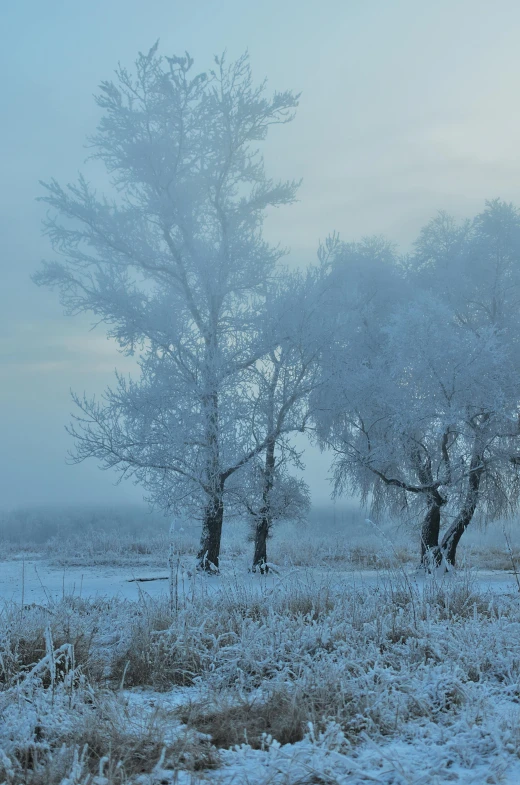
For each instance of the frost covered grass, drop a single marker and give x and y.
(306, 677)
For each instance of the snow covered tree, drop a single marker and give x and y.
(366, 409)
(175, 265)
(280, 384)
(421, 408)
(270, 494)
(475, 267)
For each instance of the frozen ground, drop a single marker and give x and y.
(344, 667)
(309, 676)
(38, 581)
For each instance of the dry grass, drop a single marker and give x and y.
(154, 660)
(23, 637)
(111, 742)
(231, 720)
(137, 742)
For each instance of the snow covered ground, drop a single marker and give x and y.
(38, 581)
(309, 675)
(345, 665)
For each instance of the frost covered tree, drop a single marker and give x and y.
(270, 494)
(422, 407)
(474, 267)
(264, 488)
(279, 385)
(366, 412)
(175, 265)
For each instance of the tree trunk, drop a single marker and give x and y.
(452, 537)
(261, 534)
(430, 553)
(209, 554)
(263, 525)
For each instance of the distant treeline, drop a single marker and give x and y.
(39, 524)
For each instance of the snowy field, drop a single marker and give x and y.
(27, 581)
(354, 669)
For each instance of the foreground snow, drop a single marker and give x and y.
(304, 677)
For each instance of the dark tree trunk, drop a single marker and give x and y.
(265, 519)
(452, 537)
(261, 534)
(209, 554)
(430, 553)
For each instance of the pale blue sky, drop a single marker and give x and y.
(408, 106)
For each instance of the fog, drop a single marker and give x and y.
(406, 108)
